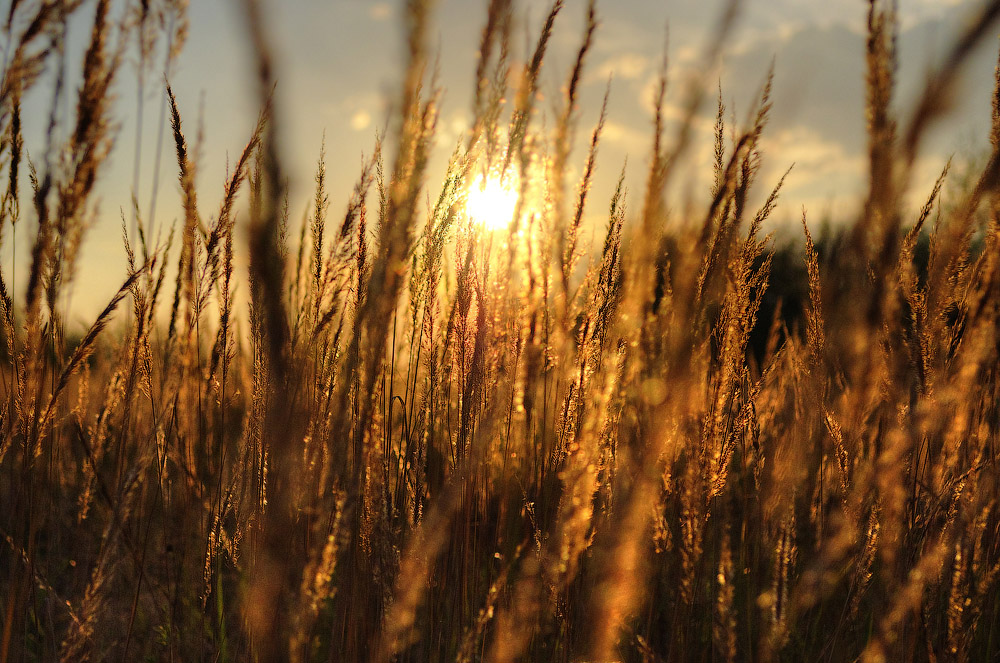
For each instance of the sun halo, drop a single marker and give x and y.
(491, 201)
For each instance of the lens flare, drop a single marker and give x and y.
(490, 201)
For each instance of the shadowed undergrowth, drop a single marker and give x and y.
(431, 440)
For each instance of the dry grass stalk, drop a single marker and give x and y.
(426, 440)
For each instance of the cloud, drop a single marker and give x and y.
(824, 171)
(810, 151)
(380, 11)
(360, 120)
(626, 66)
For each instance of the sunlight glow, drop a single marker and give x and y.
(490, 201)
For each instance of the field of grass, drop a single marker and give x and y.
(435, 438)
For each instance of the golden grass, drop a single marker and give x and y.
(427, 441)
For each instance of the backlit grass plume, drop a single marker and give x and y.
(398, 432)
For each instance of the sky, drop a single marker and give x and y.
(339, 64)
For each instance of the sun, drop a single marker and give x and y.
(490, 201)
